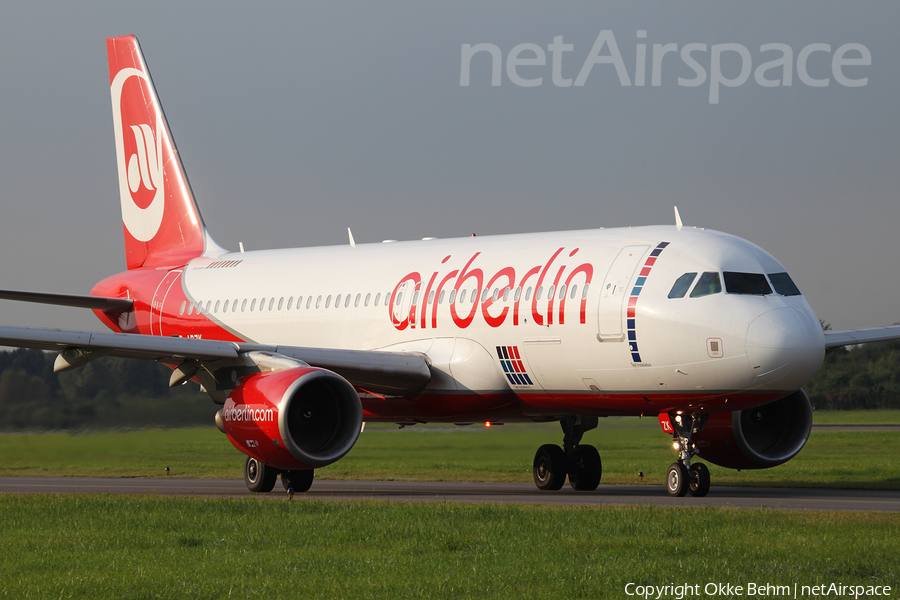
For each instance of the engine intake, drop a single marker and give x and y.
(293, 419)
(757, 438)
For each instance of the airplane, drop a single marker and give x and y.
(701, 329)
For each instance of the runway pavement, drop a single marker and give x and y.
(523, 493)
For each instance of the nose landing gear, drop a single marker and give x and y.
(684, 477)
(581, 462)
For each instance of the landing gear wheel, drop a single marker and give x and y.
(677, 480)
(299, 480)
(550, 467)
(698, 480)
(585, 477)
(259, 476)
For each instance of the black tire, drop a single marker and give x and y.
(550, 467)
(677, 480)
(585, 477)
(259, 476)
(698, 480)
(301, 481)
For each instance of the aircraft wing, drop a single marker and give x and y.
(380, 372)
(851, 337)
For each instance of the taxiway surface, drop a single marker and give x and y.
(523, 493)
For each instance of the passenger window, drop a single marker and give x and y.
(682, 285)
(356, 302)
(747, 283)
(337, 302)
(280, 302)
(183, 304)
(271, 303)
(291, 301)
(783, 284)
(584, 292)
(253, 305)
(441, 297)
(216, 309)
(244, 305)
(347, 301)
(369, 295)
(708, 284)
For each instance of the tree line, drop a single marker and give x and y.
(858, 378)
(106, 393)
(120, 392)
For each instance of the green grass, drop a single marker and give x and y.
(834, 459)
(856, 417)
(158, 547)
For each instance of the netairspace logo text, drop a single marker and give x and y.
(768, 590)
(696, 64)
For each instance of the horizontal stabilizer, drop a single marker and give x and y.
(93, 302)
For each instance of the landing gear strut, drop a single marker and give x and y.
(684, 477)
(580, 462)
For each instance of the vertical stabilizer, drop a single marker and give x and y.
(161, 222)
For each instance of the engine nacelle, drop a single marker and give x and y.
(293, 419)
(757, 438)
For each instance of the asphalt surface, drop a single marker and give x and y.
(522, 493)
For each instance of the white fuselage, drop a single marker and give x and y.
(601, 341)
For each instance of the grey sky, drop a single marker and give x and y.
(297, 120)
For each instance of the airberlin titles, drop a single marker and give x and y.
(491, 294)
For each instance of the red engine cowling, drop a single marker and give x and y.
(295, 419)
(757, 438)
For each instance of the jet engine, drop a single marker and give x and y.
(293, 419)
(757, 438)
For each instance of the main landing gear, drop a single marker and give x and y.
(580, 462)
(260, 477)
(684, 477)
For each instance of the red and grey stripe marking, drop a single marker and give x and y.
(633, 300)
(513, 366)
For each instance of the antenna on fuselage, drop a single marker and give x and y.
(678, 223)
(352, 242)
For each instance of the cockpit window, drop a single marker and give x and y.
(708, 284)
(747, 283)
(783, 284)
(682, 285)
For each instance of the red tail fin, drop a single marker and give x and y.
(162, 224)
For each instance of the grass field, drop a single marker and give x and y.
(103, 546)
(858, 459)
(154, 547)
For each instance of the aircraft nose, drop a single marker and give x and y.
(785, 347)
